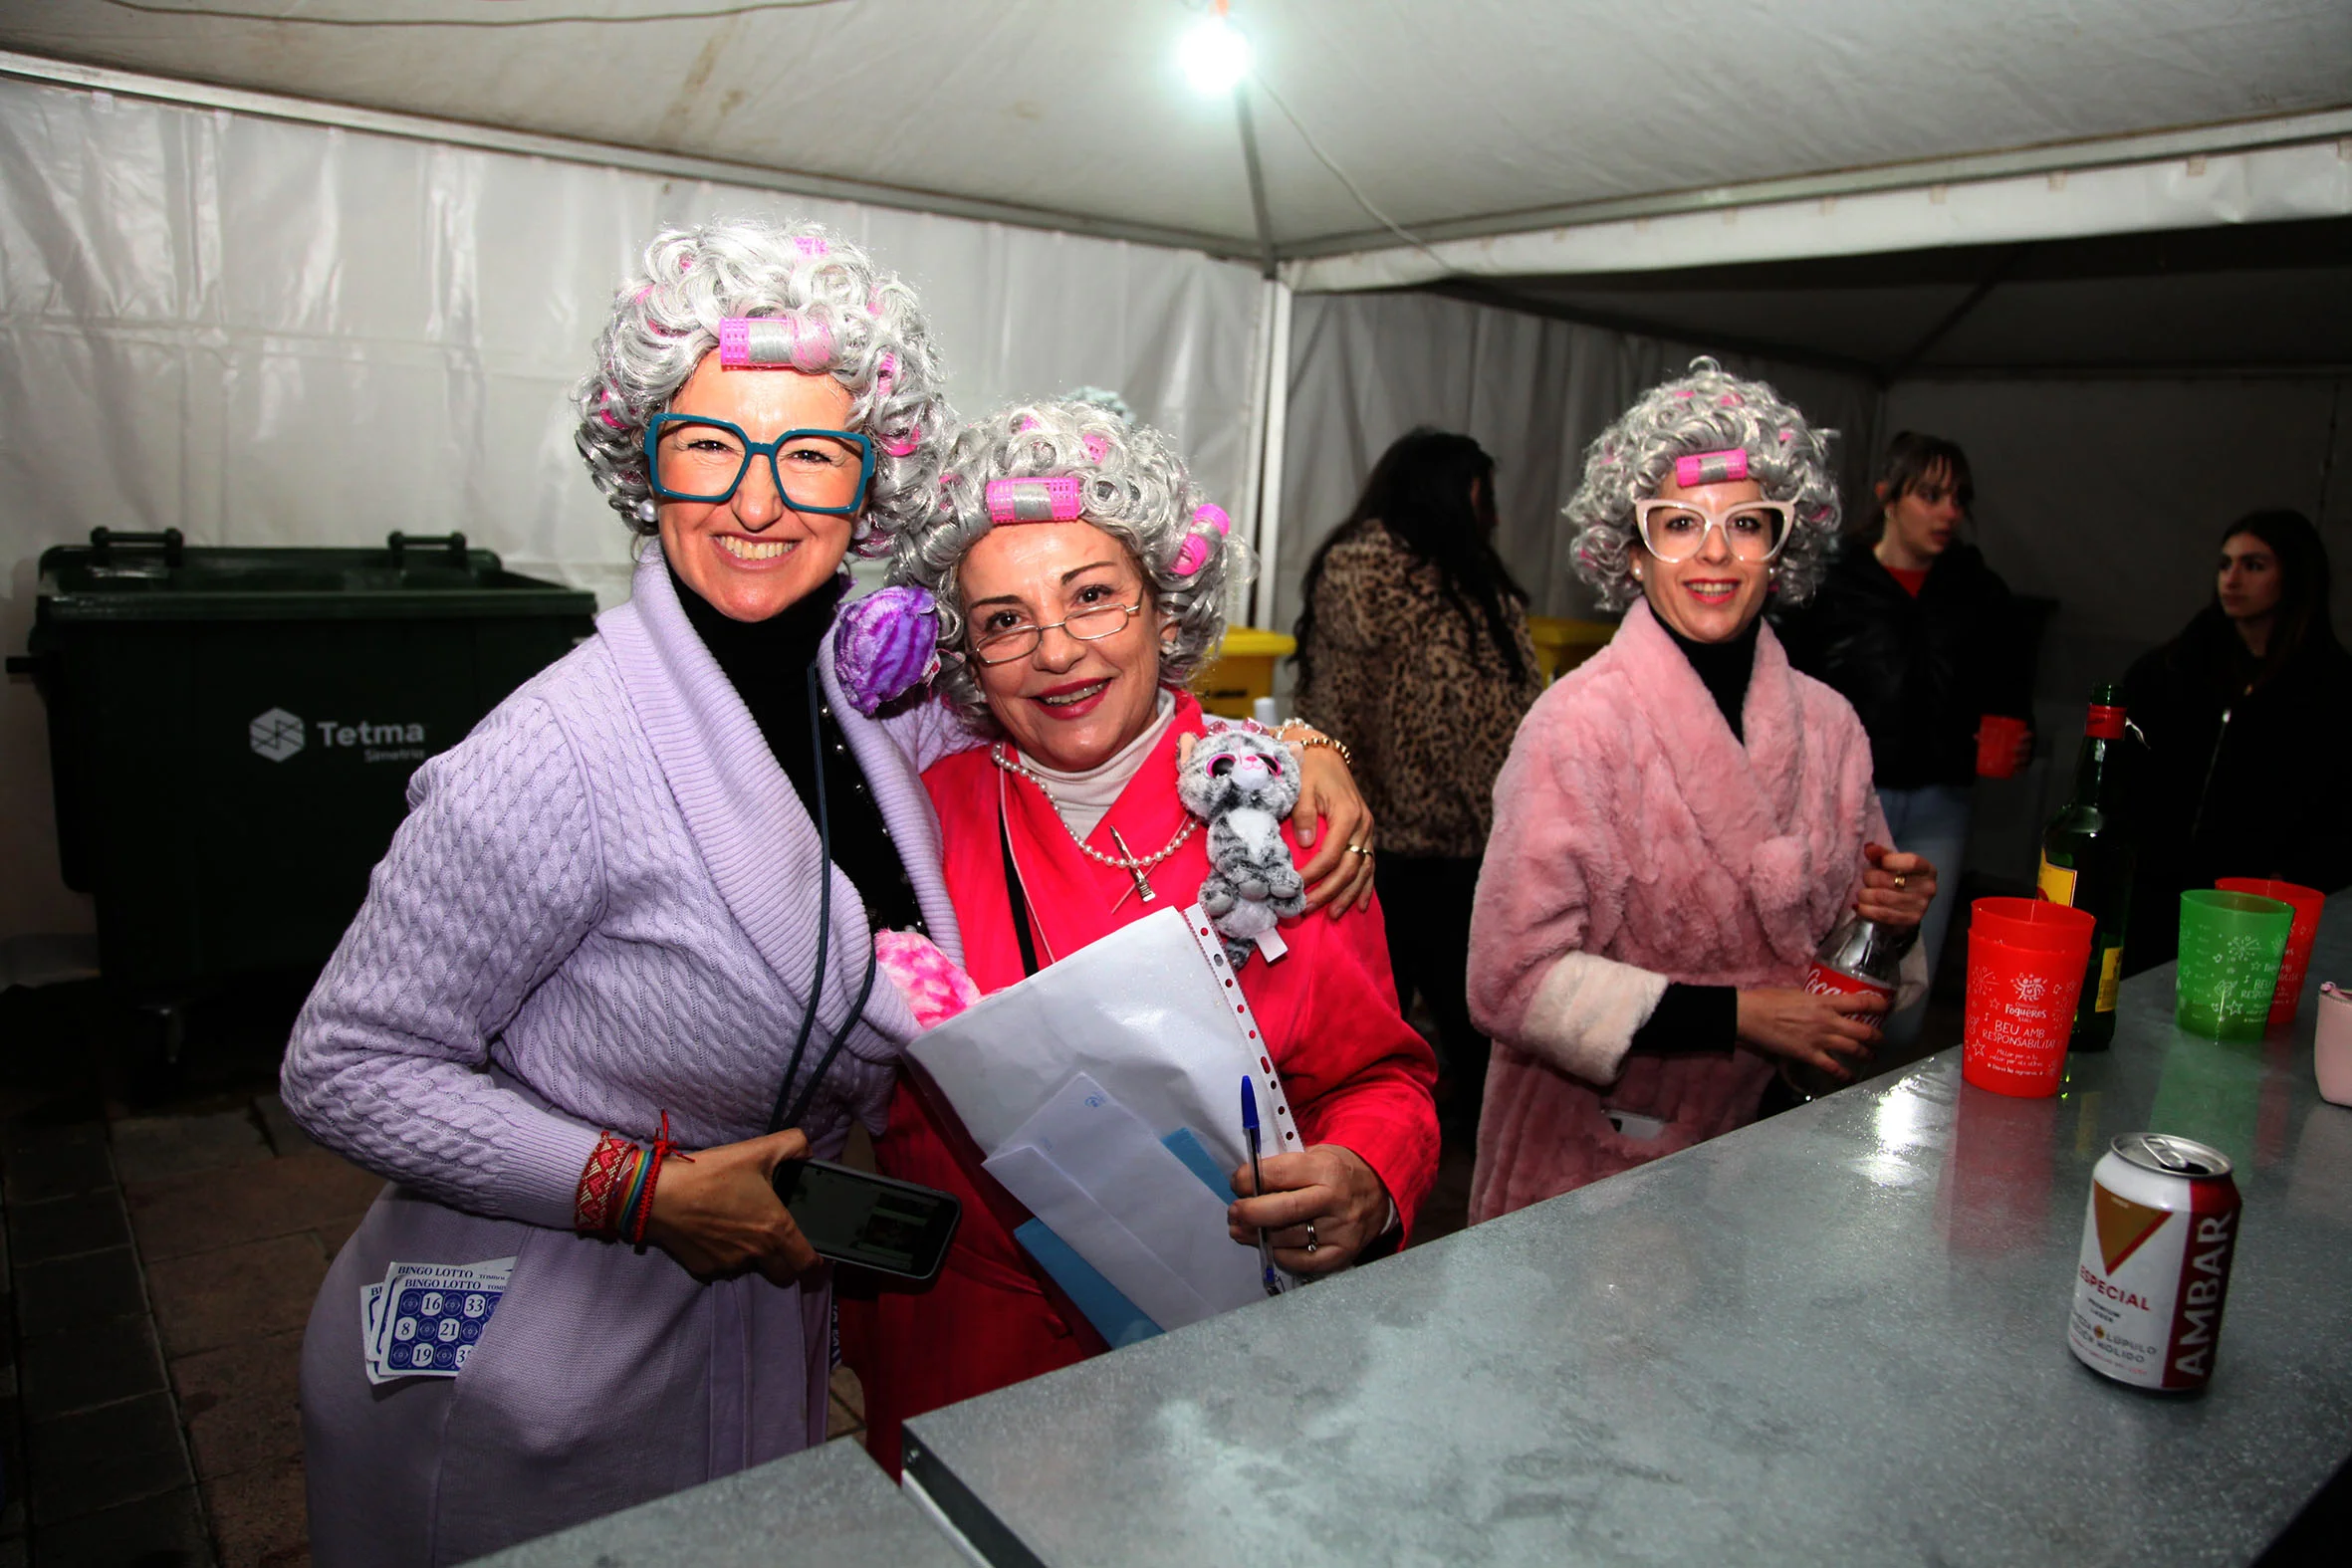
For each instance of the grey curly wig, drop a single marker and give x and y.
(666, 318)
(1136, 491)
(1708, 410)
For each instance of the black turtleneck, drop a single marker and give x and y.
(1724, 668)
(768, 662)
(1691, 1018)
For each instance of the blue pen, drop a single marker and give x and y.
(1267, 1276)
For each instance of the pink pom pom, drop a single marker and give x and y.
(935, 990)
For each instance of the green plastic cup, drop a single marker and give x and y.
(2230, 948)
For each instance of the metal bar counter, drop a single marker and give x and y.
(1834, 1337)
(830, 1505)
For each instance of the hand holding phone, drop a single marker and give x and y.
(855, 1216)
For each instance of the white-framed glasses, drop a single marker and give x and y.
(1006, 634)
(1677, 530)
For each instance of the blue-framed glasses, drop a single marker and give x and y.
(690, 458)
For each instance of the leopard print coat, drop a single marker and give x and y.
(1417, 692)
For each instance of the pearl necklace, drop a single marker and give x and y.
(1133, 865)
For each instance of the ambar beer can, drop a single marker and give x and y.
(2156, 1248)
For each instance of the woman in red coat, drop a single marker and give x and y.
(1070, 619)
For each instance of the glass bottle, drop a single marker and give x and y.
(2086, 863)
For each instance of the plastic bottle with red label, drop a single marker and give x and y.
(1859, 957)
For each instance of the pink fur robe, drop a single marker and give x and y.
(1636, 842)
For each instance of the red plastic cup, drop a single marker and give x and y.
(2029, 922)
(1998, 736)
(2306, 902)
(2019, 1010)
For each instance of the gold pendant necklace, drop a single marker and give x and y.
(1125, 860)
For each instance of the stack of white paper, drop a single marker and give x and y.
(1069, 1081)
(1094, 1173)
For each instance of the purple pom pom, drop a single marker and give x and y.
(886, 645)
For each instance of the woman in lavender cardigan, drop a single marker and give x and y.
(601, 918)
(602, 910)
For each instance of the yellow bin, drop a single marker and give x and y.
(1243, 670)
(1561, 646)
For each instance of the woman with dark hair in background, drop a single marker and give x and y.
(2245, 736)
(1920, 635)
(1413, 650)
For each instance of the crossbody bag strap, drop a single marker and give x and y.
(1017, 899)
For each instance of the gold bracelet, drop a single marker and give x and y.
(1310, 736)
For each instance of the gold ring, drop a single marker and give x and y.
(1358, 849)
(1898, 881)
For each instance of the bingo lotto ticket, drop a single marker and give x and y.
(424, 1319)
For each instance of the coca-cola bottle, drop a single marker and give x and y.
(1859, 957)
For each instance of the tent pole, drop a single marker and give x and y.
(1257, 206)
(1268, 543)
(1243, 606)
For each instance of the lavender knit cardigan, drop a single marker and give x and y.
(603, 906)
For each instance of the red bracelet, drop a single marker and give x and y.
(601, 1181)
(660, 1152)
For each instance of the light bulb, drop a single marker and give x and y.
(1215, 57)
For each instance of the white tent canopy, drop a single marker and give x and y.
(310, 270)
(1469, 118)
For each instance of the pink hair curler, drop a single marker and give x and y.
(905, 445)
(1055, 500)
(774, 342)
(811, 245)
(1196, 545)
(1097, 448)
(1711, 468)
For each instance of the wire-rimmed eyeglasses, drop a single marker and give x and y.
(1677, 530)
(690, 458)
(1006, 634)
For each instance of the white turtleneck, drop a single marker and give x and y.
(1084, 799)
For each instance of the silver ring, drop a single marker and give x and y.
(1312, 1242)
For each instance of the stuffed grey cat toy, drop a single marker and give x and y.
(1242, 784)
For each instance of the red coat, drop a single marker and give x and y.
(1355, 1074)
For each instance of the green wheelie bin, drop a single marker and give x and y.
(231, 730)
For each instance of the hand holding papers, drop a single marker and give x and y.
(1074, 1083)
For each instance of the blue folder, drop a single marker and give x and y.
(1118, 1320)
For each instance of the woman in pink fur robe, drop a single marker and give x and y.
(1682, 818)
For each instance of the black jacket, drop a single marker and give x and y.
(2256, 796)
(1920, 671)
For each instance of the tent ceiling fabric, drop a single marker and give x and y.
(2220, 298)
(1468, 112)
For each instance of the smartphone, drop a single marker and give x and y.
(855, 1216)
